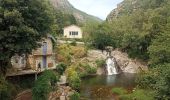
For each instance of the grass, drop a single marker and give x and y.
(119, 91)
(138, 94)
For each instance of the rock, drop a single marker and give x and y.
(125, 63)
(62, 98)
(101, 71)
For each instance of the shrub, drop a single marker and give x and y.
(84, 69)
(7, 90)
(44, 85)
(73, 43)
(79, 52)
(100, 62)
(73, 79)
(119, 91)
(75, 96)
(61, 68)
(92, 70)
(64, 53)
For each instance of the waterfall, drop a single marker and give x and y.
(111, 66)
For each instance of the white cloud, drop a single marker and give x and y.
(99, 8)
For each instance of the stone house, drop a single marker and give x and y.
(41, 58)
(72, 32)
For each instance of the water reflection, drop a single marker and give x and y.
(99, 87)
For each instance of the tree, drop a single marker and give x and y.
(102, 37)
(44, 85)
(22, 26)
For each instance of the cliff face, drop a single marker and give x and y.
(125, 7)
(66, 7)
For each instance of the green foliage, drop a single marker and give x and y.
(84, 69)
(73, 78)
(157, 80)
(138, 95)
(62, 20)
(160, 49)
(102, 37)
(100, 62)
(45, 83)
(73, 43)
(89, 69)
(119, 91)
(75, 96)
(74, 81)
(162, 86)
(61, 67)
(7, 90)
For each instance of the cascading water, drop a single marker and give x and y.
(111, 66)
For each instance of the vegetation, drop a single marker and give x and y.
(73, 43)
(138, 95)
(7, 90)
(75, 96)
(100, 62)
(62, 20)
(61, 67)
(119, 91)
(73, 78)
(44, 85)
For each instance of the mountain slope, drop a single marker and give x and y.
(66, 7)
(129, 6)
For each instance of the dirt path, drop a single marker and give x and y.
(25, 95)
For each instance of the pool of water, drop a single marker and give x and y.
(99, 87)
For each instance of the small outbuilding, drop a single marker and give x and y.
(73, 31)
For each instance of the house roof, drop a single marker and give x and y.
(71, 25)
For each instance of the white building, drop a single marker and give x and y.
(73, 31)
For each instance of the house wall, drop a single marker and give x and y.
(37, 57)
(72, 28)
(35, 60)
(39, 51)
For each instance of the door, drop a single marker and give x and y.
(44, 48)
(44, 62)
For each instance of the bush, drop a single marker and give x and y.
(92, 70)
(75, 96)
(79, 52)
(64, 53)
(100, 62)
(7, 90)
(119, 91)
(61, 68)
(73, 78)
(44, 85)
(85, 69)
(73, 43)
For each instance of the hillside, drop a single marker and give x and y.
(129, 6)
(67, 8)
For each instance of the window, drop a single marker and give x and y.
(76, 33)
(73, 32)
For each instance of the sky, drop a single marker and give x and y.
(98, 8)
